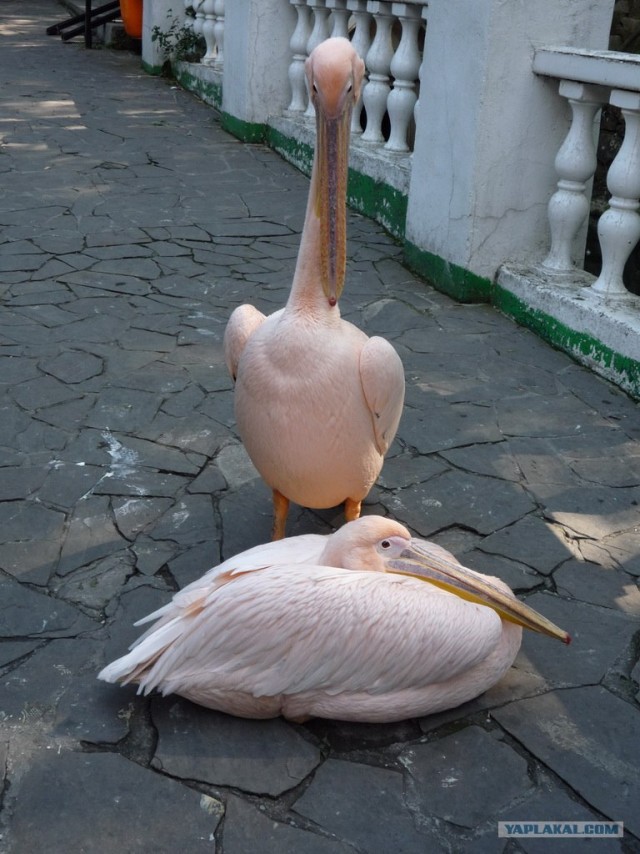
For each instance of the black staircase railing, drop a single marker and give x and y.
(86, 22)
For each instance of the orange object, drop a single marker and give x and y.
(131, 12)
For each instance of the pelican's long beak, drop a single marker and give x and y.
(419, 563)
(330, 202)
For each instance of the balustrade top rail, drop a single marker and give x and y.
(600, 67)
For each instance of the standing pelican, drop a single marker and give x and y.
(341, 626)
(317, 402)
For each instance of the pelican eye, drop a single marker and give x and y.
(315, 88)
(385, 544)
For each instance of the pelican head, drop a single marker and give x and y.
(382, 545)
(334, 76)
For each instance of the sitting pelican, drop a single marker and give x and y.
(317, 402)
(337, 626)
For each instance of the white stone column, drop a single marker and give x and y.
(405, 66)
(208, 31)
(378, 61)
(319, 32)
(489, 129)
(361, 42)
(158, 14)
(575, 164)
(339, 18)
(619, 225)
(256, 59)
(218, 31)
(298, 45)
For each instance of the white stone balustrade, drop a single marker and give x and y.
(405, 68)
(588, 80)
(392, 58)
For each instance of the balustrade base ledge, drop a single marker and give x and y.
(602, 336)
(202, 80)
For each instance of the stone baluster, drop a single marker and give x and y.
(575, 164)
(379, 63)
(361, 42)
(405, 67)
(198, 21)
(189, 13)
(619, 225)
(298, 45)
(339, 18)
(424, 13)
(319, 33)
(218, 30)
(208, 31)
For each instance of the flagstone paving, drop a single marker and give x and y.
(130, 227)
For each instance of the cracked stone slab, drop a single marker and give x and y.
(455, 498)
(189, 521)
(550, 802)
(444, 782)
(531, 541)
(69, 799)
(576, 734)
(95, 585)
(135, 515)
(342, 798)
(26, 613)
(90, 536)
(56, 688)
(244, 824)
(598, 585)
(262, 757)
(438, 427)
(75, 366)
(596, 511)
(599, 637)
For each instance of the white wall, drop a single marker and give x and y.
(256, 58)
(157, 13)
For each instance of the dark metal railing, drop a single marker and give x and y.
(86, 22)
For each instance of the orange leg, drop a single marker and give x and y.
(351, 509)
(280, 511)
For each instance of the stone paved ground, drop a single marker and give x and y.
(130, 226)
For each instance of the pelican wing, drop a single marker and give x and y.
(287, 630)
(244, 321)
(303, 549)
(382, 377)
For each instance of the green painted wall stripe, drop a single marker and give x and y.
(455, 281)
(250, 132)
(153, 70)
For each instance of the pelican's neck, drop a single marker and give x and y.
(307, 294)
